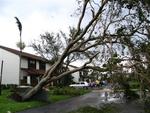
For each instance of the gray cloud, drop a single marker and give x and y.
(37, 16)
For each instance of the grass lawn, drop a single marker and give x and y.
(7, 104)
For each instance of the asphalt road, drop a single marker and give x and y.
(94, 98)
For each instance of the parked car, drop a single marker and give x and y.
(80, 85)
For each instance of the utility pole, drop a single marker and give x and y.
(1, 77)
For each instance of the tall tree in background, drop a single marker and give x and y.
(104, 28)
(20, 45)
(49, 46)
(19, 25)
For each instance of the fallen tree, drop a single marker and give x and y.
(103, 25)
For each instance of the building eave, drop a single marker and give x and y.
(23, 54)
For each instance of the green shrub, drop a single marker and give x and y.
(8, 86)
(129, 94)
(134, 85)
(147, 105)
(68, 91)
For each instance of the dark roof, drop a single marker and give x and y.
(23, 54)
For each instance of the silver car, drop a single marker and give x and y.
(80, 85)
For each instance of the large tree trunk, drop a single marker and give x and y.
(43, 81)
(34, 90)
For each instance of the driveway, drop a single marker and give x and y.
(93, 98)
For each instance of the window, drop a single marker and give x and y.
(42, 65)
(24, 80)
(32, 63)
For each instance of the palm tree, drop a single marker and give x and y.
(20, 45)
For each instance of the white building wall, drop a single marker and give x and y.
(37, 65)
(76, 75)
(10, 67)
(24, 63)
(47, 66)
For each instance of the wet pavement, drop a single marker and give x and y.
(95, 98)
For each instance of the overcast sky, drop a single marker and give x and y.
(36, 16)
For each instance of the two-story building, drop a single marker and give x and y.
(32, 67)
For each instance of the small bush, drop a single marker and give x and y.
(128, 93)
(131, 95)
(68, 91)
(147, 105)
(134, 85)
(8, 86)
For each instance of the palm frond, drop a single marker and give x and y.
(19, 25)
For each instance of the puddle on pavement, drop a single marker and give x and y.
(109, 97)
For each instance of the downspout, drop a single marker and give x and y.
(1, 77)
